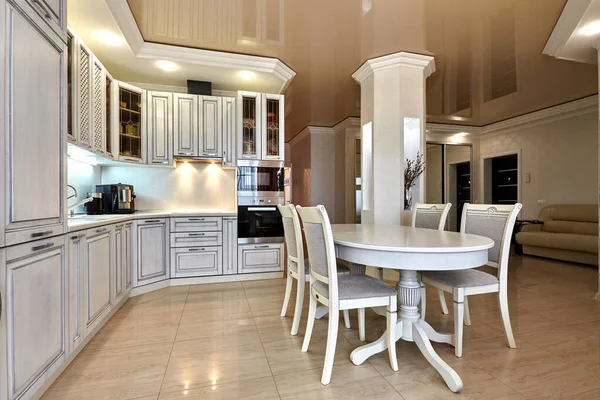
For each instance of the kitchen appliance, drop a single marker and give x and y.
(259, 220)
(94, 207)
(260, 179)
(117, 198)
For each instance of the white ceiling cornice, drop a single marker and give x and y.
(346, 123)
(209, 58)
(453, 129)
(320, 130)
(400, 59)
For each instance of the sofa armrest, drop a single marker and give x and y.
(532, 228)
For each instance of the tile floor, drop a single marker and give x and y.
(227, 341)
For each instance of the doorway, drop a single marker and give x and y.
(501, 179)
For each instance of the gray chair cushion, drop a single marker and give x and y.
(463, 278)
(352, 287)
(341, 269)
(427, 219)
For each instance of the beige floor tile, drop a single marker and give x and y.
(198, 329)
(255, 389)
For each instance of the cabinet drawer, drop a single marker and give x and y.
(260, 258)
(196, 224)
(196, 261)
(196, 239)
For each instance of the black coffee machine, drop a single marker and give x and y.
(117, 198)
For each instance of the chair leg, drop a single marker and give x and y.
(361, 324)
(459, 313)
(391, 332)
(423, 309)
(443, 301)
(467, 314)
(288, 293)
(312, 310)
(298, 310)
(346, 319)
(332, 332)
(503, 300)
(380, 274)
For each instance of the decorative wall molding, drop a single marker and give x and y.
(304, 133)
(400, 59)
(209, 58)
(346, 123)
(320, 130)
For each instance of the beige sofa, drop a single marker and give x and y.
(569, 233)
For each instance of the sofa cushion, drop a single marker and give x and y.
(570, 212)
(566, 241)
(582, 228)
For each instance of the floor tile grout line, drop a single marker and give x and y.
(173, 344)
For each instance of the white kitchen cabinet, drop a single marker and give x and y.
(254, 258)
(33, 134)
(128, 255)
(249, 125)
(229, 130)
(196, 261)
(129, 109)
(151, 257)
(34, 317)
(159, 112)
(72, 93)
(196, 239)
(84, 84)
(272, 125)
(230, 250)
(118, 263)
(77, 259)
(98, 107)
(196, 224)
(53, 13)
(210, 127)
(185, 124)
(110, 148)
(97, 276)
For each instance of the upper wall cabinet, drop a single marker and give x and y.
(229, 129)
(210, 127)
(85, 61)
(160, 127)
(129, 104)
(261, 126)
(34, 131)
(272, 124)
(185, 124)
(54, 13)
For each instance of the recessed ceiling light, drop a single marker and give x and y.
(591, 29)
(109, 38)
(247, 75)
(168, 66)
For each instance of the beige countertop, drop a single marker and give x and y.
(81, 222)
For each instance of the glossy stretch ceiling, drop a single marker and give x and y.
(488, 54)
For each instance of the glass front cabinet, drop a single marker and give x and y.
(260, 126)
(128, 112)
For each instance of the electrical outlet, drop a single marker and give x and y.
(527, 177)
(542, 202)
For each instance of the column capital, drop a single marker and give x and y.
(400, 59)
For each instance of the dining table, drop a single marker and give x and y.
(410, 250)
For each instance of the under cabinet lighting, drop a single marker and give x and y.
(591, 29)
(168, 66)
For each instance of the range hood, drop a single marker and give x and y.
(197, 159)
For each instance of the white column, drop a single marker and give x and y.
(393, 129)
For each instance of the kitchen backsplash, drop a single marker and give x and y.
(84, 177)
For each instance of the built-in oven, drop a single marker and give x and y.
(258, 178)
(259, 220)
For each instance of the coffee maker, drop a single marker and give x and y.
(117, 198)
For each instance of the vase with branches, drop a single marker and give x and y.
(414, 168)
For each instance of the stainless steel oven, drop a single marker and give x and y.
(259, 220)
(260, 179)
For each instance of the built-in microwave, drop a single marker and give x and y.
(258, 178)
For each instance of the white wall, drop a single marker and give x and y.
(301, 169)
(189, 186)
(323, 176)
(84, 177)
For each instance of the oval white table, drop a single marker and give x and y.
(410, 250)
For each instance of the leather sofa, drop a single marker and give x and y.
(569, 232)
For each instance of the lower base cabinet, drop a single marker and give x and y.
(253, 258)
(151, 255)
(77, 259)
(230, 246)
(34, 315)
(196, 261)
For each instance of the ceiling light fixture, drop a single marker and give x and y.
(168, 66)
(109, 38)
(591, 29)
(247, 75)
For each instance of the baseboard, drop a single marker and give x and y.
(149, 288)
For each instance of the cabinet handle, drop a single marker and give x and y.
(266, 246)
(160, 162)
(209, 154)
(77, 236)
(44, 9)
(148, 221)
(119, 226)
(196, 234)
(185, 154)
(200, 249)
(41, 234)
(196, 219)
(100, 230)
(42, 247)
(135, 160)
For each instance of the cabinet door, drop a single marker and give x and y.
(109, 92)
(229, 137)
(118, 264)
(33, 133)
(128, 254)
(197, 261)
(260, 258)
(160, 128)
(249, 125)
(85, 63)
(97, 277)
(130, 104)
(98, 109)
(53, 12)
(151, 255)
(185, 124)
(210, 126)
(72, 70)
(273, 129)
(77, 259)
(35, 313)
(230, 251)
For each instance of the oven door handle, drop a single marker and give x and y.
(262, 208)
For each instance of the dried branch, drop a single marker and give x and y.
(412, 171)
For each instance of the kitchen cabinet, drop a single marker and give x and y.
(72, 71)
(97, 276)
(110, 148)
(129, 107)
(98, 107)
(33, 136)
(261, 127)
(196, 224)
(196, 261)
(229, 130)
(33, 286)
(160, 127)
(185, 124)
(272, 127)
(53, 12)
(210, 127)
(254, 258)
(77, 259)
(85, 62)
(128, 255)
(118, 264)
(196, 239)
(230, 251)
(151, 258)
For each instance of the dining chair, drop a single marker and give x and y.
(298, 270)
(340, 292)
(497, 223)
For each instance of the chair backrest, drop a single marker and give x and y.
(430, 216)
(293, 237)
(321, 250)
(496, 222)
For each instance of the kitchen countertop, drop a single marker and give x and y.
(83, 221)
